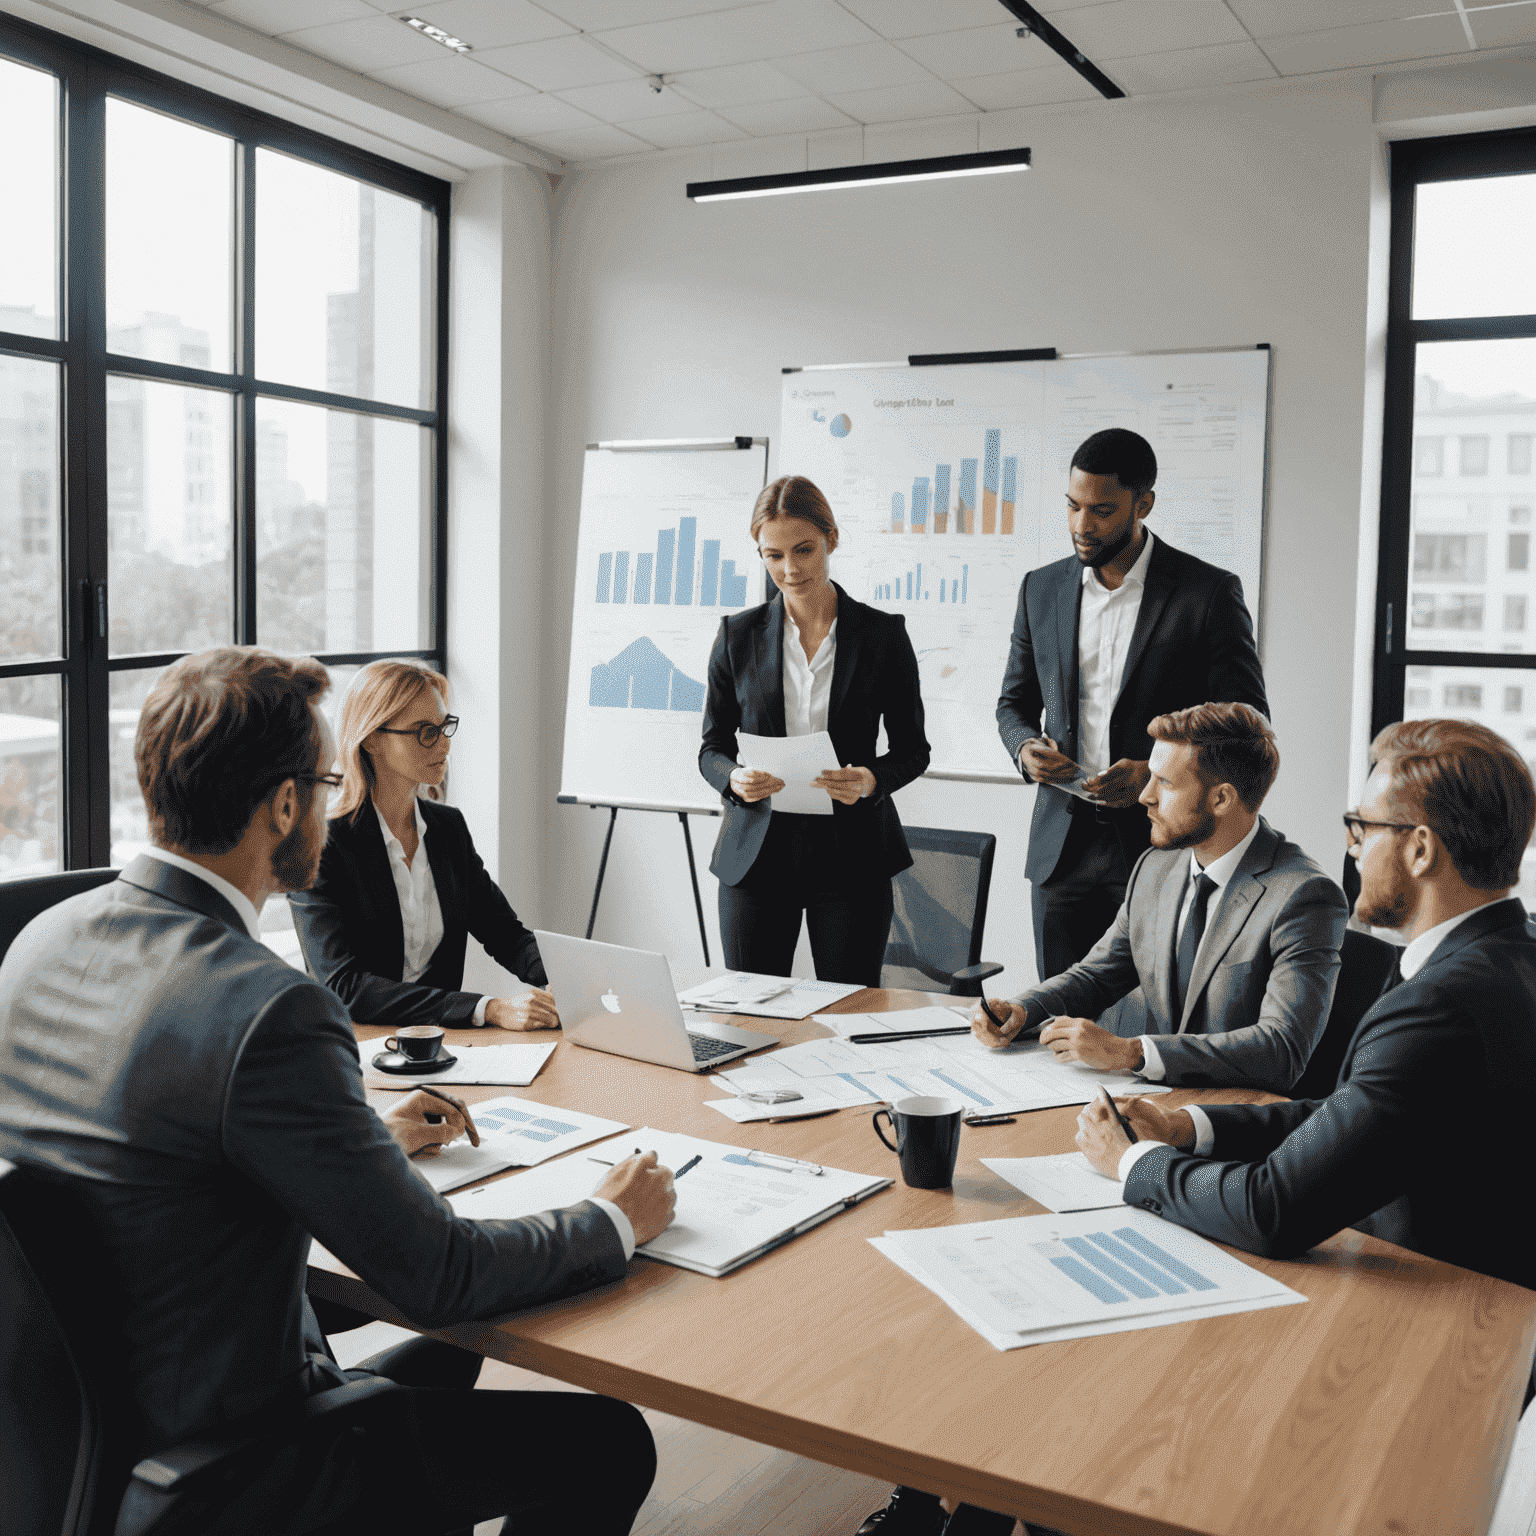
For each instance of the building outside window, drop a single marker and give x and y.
(1474, 456)
(1519, 453)
(1429, 456)
(1514, 699)
(1519, 551)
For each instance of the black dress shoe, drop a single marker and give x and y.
(906, 1513)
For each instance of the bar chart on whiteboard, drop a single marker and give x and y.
(949, 486)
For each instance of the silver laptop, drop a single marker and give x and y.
(623, 1001)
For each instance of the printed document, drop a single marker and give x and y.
(514, 1133)
(765, 997)
(795, 759)
(512, 1066)
(901, 1021)
(1066, 1181)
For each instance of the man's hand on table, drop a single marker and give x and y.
(987, 1032)
(534, 1009)
(1100, 1139)
(644, 1191)
(407, 1122)
(1082, 1040)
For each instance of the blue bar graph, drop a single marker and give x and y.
(620, 575)
(940, 498)
(965, 511)
(604, 576)
(920, 504)
(709, 583)
(987, 486)
(1148, 1249)
(1117, 1274)
(1097, 1287)
(686, 528)
(898, 512)
(643, 578)
(666, 542)
(733, 588)
(679, 571)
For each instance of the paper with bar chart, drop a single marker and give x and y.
(662, 553)
(949, 486)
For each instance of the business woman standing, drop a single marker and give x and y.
(386, 924)
(813, 659)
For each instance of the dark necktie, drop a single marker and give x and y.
(1189, 944)
(1395, 975)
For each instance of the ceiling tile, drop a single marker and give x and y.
(1185, 68)
(740, 36)
(600, 15)
(627, 101)
(977, 51)
(561, 64)
(364, 45)
(864, 67)
(597, 143)
(735, 85)
(684, 130)
(1127, 27)
(1026, 88)
(490, 23)
(769, 117)
(450, 81)
(897, 103)
(912, 18)
(275, 17)
(1381, 42)
(528, 114)
(1504, 26)
(1272, 18)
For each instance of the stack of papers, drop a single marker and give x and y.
(797, 760)
(1038, 1279)
(899, 1022)
(732, 1206)
(514, 1133)
(1066, 1181)
(765, 997)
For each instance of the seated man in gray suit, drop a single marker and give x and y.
(201, 1102)
(1234, 944)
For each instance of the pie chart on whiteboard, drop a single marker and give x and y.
(840, 426)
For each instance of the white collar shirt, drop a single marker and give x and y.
(1105, 624)
(237, 898)
(807, 684)
(1416, 954)
(421, 914)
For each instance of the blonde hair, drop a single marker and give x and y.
(378, 693)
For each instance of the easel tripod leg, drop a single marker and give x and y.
(602, 868)
(693, 875)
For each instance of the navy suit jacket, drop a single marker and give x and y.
(746, 693)
(1423, 1142)
(1192, 644)
(354, 940)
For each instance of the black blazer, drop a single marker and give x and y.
(354, 940)
(1425, 1141)
(746, 693)
(1193, 644)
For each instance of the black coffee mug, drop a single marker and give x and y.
(927, 1139)
(416, 1042)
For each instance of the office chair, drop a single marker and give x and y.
(63, 1410)
(1365, 962)
(22, 900)
(941, 910)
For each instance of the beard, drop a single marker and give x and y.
(1379, 906)
(1107, 552)
(1187, 837)
(296, 859)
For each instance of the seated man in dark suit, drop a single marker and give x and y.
(203, 1102)
(1234, 943)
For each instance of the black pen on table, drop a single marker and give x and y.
(458, 1104)
(1125, 1125)
(693, 1162)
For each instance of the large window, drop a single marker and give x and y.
(222, 370)
(1456, 574)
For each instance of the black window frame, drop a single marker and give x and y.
(87, 77)
(1415, 162)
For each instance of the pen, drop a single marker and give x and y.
(693, 1162)
(609, 1163)
(458, 1104)
(906, 1034)
(1125, 1125)
(783, 1164)
(991, 1120)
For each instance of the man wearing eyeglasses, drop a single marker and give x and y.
(1423, 1140)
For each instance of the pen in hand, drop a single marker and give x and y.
(460, 1106)
(1125, 1125)
(693, 1162)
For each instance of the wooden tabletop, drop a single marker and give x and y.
(1386, 1403)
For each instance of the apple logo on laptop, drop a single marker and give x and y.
(610, 1000)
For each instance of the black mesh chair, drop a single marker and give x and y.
(22, 900)
(1365, 962)
(941, 910)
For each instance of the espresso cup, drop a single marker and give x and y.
(416, 1042)
(927, 1139)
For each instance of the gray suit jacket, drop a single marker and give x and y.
(205, 1103)
(1263, 980)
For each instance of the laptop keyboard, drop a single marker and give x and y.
(707, 1047)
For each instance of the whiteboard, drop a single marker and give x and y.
(949, 482)
(663, 551)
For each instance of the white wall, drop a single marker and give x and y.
(1233, 217)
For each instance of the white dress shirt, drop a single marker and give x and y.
(1105, 625)
(421, 913)
(1220, 872)
(807, 684)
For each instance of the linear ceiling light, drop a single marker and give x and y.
(447, 39)
(1036, 25)
(993, 163)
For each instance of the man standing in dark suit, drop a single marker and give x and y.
(1123, 630)
(202, 1102)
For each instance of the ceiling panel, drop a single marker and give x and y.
(275, 17)
(903, 103)
(627, 101)
(1382, 42)
(1273, 18)
(528, 115)
(864, 67)
(977, 51)
(364, 45)
(765, 118)
(1126, 27)
(735, 85)
(450, 81)
(590, 143)
(1026, 88)
(600, 15)
(685, 130)
(1503, 27)
(740, 36)
(561, 64)
(489, 23)
(913, 18)
(1225, 64)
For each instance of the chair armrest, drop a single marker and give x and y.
(967, 982)
(176, 1469)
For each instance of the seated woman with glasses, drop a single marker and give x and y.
(401, 887)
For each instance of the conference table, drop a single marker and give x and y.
(1386, 1403)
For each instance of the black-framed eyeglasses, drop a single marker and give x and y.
(1354, 827)
(427, 735)
(330, 780)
